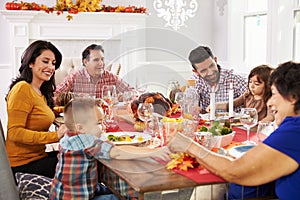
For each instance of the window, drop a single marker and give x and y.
(255, 40)
(263, 32)
(255, 32)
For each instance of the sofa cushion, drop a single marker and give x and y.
(32, 186)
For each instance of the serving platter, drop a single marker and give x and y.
(129, 138)
(238, 151)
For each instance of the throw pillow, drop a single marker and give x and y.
(32, 186)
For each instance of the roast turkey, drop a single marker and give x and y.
(161, 104)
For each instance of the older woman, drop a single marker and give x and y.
(29, 109)
(278, 157)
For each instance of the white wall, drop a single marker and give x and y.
(207, 27)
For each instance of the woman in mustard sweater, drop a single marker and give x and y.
(29, 109)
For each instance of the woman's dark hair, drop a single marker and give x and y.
(29, 56)
(86, 52)
(262, 72)
(286, 79)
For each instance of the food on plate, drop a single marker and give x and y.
(123, 138)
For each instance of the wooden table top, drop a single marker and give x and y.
(147, 175)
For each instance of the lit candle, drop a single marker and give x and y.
(230, 114)
(212, 105)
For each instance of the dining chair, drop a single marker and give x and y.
(8, 189)
(2, 132)
(115, 68)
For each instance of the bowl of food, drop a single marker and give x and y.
(219, 141)
(222, 134)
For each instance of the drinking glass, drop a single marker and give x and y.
(172, 88)
(156, 131)
(109, 96)
(264, 129)
(144, 112)
(248, 117)
(179, 99)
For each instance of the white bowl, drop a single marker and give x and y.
(222, 141)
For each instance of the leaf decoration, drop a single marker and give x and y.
(182, 161)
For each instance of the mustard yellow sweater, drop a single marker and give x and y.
(29, 118)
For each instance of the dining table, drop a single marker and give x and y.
(149, 179)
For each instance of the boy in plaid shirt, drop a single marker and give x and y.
(76, 172)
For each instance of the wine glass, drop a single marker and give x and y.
(144, 112)
(109, 96)
(173, 86)
(249, 119)
(156, 131)
(264, 129)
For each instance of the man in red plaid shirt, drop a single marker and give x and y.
(92, 77)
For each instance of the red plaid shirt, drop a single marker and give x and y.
(81, 82)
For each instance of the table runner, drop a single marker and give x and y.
(197, 175)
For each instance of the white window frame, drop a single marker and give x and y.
(296, 9)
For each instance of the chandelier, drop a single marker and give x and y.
(175, 12)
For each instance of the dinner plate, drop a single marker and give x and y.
(238, 151)
(137, 137)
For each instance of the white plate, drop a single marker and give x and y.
(238, 151)
(136, 140)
